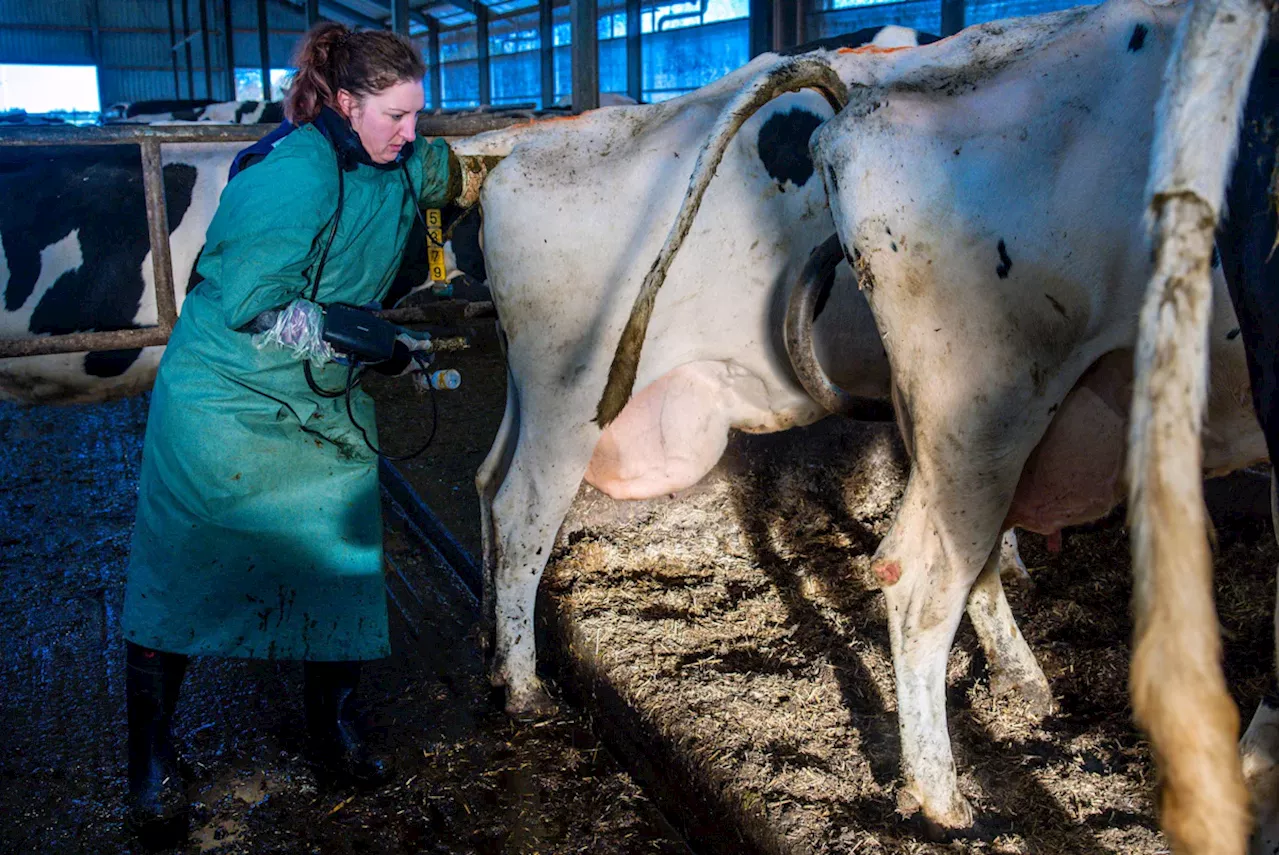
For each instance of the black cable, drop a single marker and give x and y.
(350, 415)
(315, 288)
(353, 379)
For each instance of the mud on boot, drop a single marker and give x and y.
(157, 808)
(334, 746)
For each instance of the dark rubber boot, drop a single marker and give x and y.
(157, 807)
(336, 750)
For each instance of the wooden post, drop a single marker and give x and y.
(546, 52)
(586, 55)
(400, 16)
(313, 13)
(95, 44)
(635, 56)
(158, 232)
(173, 52)
(264, 49)
(785, 21)
(482, 54)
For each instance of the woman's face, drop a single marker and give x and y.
(385, 121)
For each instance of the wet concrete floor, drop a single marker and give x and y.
(468, 780)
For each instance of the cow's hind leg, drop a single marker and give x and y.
(1012, 666)
(969, 456)
(489, 478)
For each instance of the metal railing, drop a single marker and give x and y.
(149, 138)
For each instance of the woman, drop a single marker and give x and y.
(259, 530)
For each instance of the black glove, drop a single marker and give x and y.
(403, 360)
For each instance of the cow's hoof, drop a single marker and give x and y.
(1265, 841)
(943, 818)
(1030, 691)
(531, 705)
(955, 820)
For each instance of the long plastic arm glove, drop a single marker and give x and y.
(299, 328)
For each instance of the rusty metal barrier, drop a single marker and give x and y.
(149, 138)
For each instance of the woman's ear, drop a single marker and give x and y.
(347, 103)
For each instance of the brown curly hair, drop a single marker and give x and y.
(333, 57)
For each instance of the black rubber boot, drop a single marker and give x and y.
(336, 750)
(157, 807)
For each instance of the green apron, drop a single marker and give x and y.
(259, 530)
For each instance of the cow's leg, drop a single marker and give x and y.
(1260, 746)
(1012, 666)
(969, 455)
(1258, 755)
(926, 589)
(1012, 567)
(528, 510)
(488, 478)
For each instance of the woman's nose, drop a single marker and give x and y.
(408, 128)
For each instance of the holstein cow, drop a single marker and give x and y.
(575, 212)
(75, 256)
(217, 112)
(989, 191)
(1180, 695)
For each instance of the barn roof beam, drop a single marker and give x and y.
(338, 11)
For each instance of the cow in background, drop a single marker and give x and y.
(218, 112)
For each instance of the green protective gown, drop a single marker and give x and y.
(259, 530)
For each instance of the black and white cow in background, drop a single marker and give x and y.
(217, 112)
(75, 257)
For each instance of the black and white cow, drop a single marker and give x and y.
(989, 189)
(218, 112)
(75, 257)
(575, 213)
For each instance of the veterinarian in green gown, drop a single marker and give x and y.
(259, 530)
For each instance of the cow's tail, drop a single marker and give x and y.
(787, 75)
(811, 290)
(1179, 692)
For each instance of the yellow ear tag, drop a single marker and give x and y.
(435, 248)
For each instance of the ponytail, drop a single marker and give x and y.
(332, 57)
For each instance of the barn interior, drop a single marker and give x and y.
(720, 655)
